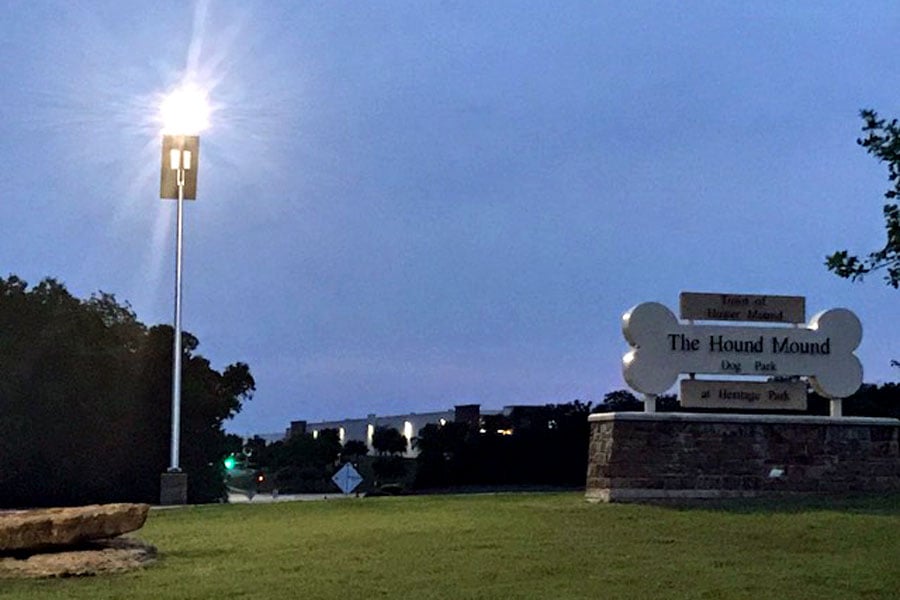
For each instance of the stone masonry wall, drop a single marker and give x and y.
(636, 456)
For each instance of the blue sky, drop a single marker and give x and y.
(404, 206)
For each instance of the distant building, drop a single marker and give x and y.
(408, 425)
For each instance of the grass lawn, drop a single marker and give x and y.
(510, 546)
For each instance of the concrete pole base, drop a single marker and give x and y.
(173, 488)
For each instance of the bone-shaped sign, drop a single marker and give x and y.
(662, 348)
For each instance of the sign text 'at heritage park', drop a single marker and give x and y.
(765, 395)
(662, 348)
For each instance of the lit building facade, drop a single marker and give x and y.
(408, 425)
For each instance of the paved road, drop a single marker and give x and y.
(239, 498)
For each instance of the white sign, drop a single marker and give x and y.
(663, 348)
(755, 395)
(742, 307)
(347, 478)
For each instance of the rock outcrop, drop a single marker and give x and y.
(97, 557)
(66, 542)
(39, 529)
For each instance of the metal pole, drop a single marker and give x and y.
(836, 407)
(176, 346)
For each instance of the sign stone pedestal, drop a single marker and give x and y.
(173, 488)
(641, 456)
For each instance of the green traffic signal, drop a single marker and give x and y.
(230, 462)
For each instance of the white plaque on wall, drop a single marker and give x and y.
(756, 395)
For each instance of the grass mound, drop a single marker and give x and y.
(510, 546)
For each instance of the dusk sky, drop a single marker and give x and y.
(404, 206)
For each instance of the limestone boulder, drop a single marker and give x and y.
(39, 529)
(96, 557)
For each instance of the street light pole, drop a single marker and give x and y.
(180, 154)
(185, 110)
(176, 346)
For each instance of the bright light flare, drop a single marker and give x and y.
(185, 111)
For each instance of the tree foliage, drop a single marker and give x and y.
(625, 401)
(353, 449)
(388, 469)
(85, 401)
(621, 401)
(882, 140)
(308, 451)
(301, 463)
(532, 445)
(869, 400)
(387, 440)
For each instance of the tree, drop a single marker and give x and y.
(625, 401)
(444, 453)
(882, 140)
(531, 445)
(234, 444)
(305, 450)
(254, 446)
(549, 444)
(85, 401)
(353, 449)
(302, 463)
(621, 401)
(387, 440)
(390, 444)
(874, 401)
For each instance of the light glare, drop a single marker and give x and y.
(185, 111)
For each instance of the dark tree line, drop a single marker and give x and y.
(85, 402)
(300, 464)
(304, 463)
(534, 445)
